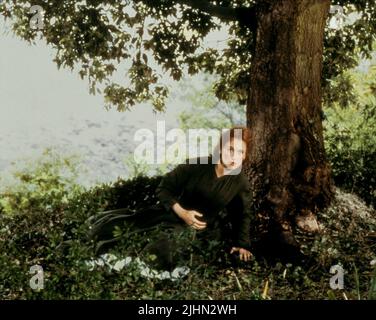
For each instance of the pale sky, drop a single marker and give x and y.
(41, 105)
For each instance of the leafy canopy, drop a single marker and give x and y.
(124, 48)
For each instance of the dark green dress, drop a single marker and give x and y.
(194, 185)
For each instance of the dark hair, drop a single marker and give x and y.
(246, 137)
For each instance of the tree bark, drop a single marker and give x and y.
(288, 167)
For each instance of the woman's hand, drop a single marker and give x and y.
(189, 217)
(244, 254)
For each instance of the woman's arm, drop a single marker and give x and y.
(172, 184)
(240, 211)
(171, 187)
(169, 190)
(189, 217)
(244, 237)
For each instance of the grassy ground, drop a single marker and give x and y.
(32, 235)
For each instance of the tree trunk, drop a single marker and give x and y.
(289, 170)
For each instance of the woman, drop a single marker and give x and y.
(192, 196)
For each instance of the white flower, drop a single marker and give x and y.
(122, 263)
(180, 272)
(114, 263)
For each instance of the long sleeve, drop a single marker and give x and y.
(172, 184)
(240, 210)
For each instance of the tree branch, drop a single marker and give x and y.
(226, 14)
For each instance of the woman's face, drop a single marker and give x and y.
(233, 154)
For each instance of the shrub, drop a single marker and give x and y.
(351, 147)
(34, 223)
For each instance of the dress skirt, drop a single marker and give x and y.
(175, 240)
